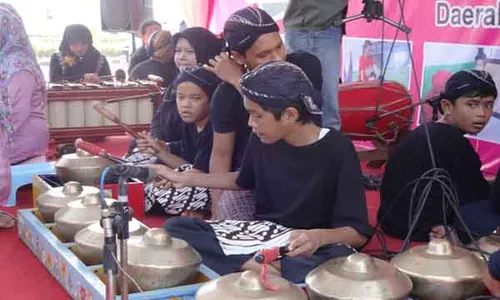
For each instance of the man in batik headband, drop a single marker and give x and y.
(465, 106)
(306, 182)
(252, 39)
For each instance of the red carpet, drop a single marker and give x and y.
(22, 276)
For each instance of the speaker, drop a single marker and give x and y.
(125, 15)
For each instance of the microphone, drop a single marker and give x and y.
(144, 174)
(97, 151)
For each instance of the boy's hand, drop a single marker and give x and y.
(143, 144)
(226, 68)
(303, 242)
(171, 177)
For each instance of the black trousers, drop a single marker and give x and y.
(200, 236)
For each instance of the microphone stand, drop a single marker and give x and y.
(121, 223)
(109, 250)
(433, 102)
(373, 10)
(114, 221)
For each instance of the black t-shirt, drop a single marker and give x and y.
(195, 148)
(228, 114)
(167, 71)
(410, 160)
(314, 186)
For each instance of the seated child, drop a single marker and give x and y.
(306, 182)
(194, 87)
(465, 108)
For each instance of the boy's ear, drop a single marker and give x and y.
(238, 58)
(290, 115)
(446, 106)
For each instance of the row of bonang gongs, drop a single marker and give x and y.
(437, 270)
(81, 113)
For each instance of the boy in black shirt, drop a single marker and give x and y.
(306, 182)
(466, 107)
(253, 39)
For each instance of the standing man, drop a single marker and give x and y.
(141, 54)
(309, 26)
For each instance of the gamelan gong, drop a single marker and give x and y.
(56, 198)
(248, 286)
(441, 271)
(357, 277)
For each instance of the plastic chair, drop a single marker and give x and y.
(23, 174)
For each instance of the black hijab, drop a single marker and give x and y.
(206, 45)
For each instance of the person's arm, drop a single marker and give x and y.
(171, 160)
(226, 181)
(20, 91)
(221, 157)
(306, 242)
(169, 154)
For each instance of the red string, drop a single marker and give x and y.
(269, 255)
(264, 279)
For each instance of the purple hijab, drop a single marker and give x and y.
(16, 54)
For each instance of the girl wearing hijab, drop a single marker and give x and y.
(24, 131)
(192, 46)
(161, 61)
(77, 59)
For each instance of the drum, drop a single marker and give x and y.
(372, 110)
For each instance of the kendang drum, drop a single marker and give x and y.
(375, 110)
